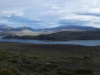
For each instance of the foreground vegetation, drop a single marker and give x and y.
(30, 59)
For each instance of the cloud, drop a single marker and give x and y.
(19, 19)
(90, 14)
(91, 2)
(51, 12)
(16, 21)
(72, 22)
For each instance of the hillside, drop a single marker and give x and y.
(30, 59)
(62, 36)
(71, 35)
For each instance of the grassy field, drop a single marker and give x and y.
(30, 59)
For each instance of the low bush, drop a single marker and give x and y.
(63, 71)
(84, 71)
(7, 72)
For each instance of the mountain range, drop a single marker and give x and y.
(59, 28)
(8, 30)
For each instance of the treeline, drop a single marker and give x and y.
(62, 36)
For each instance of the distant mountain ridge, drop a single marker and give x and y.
(70, 28)
(60, 28)
(6, 30)
(62, 36)
(9, 28)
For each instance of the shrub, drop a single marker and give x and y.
(45, 69)
(84, 71)
(7, 72)
(64, 71)
(35, 57)
(31, 66)
(14, 61)
(51, 65)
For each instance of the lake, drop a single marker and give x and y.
(77, 42)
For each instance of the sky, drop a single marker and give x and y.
(50, 13)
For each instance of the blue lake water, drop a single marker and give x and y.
(77, 42)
